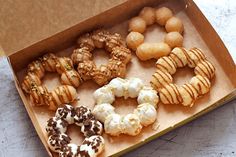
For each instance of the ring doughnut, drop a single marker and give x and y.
(148, 16)
(59, 141)
(130, 124)
(113, 43)
(186, 94)
(39, 94)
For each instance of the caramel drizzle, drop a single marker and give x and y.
(164, 58)
(201, 70)
(182, 64)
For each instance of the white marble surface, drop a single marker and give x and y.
(212, 135)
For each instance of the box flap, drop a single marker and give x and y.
(26, 22)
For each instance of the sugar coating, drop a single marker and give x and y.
(101, 111)
(148, 95)
(131, 124)
(104, 95)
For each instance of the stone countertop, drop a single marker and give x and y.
(212, 135)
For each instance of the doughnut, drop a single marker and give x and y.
(148, 16)
(130, 124)
(39, 94)
(120, 56)
(58, 141)
(186, 94)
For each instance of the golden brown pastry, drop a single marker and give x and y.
(148, 15)
(160, 79)
(162, 15)
(174, 24)
(137, 24)
(170, 94)
(134, 39)
(205, 68)
(179, 56)
(166, 64)
(174, 39)
(195, 56)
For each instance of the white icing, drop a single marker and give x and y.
(101, 111)
(112, 124)
(131, 124)
(134, 86)
(118, 86)
(104, 95)
(148, 95)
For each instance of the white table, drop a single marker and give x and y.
(213, 135)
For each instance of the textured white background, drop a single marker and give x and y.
(213, 135)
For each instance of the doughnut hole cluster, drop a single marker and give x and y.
(60, 142)
(132, 123)
(39, 94)
(186, 94)
(120, 56)
(149, 16)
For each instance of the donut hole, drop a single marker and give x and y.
(125, 106)
(183, 75)
(100, 56)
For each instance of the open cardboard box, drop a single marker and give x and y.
(198, 33)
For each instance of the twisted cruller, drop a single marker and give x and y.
(39, 94)
(131, 124)
(59, 142)
(186, 94)
(113, 43)
(149, 16)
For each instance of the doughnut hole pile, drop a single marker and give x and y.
(186, 94)
(132, 123)
(120, 56)
(149, 16)
(60, 142)
(39, 94)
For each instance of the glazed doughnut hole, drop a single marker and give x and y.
(134, 39)
(148, 15)
(137, 24)
(162, 15)
(174, 24)
(174, 39)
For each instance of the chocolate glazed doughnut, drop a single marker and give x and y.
(189, 92)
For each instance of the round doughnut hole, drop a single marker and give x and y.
(125, 106)
(100, 56)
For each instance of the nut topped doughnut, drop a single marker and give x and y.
(91, 128)
(113, 43)
(130, 124)
(148, 16)
(189, 92)
(39, 94)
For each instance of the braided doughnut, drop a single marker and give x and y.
(113, 43)
(132, 123)
(148, 16)
(39, 94)
(189, 92)
(92, 129)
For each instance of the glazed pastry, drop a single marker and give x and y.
(148, 95)
(39, 95)
(205, 68)
(71, 77)
(113, 124)
(49, 62)
(30, 81)
(147, 51)
(174, 24)
(116, 66)
(162, 15)
(104, 95)
(146, 113)
(101, 111)
(131, 124)
(36, 67)
(186, 94)
(59, 141)
(134, 39)
(174, 39)
(61, 95)
(148, 16)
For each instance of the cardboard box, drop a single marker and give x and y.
(198, 33)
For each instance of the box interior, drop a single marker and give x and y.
(197, 33)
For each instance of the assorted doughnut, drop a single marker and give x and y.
(130, 124)
(170, 56)
(112, 43)
(148, 16)
(39, 94)
(60, 142)
(186, 94)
